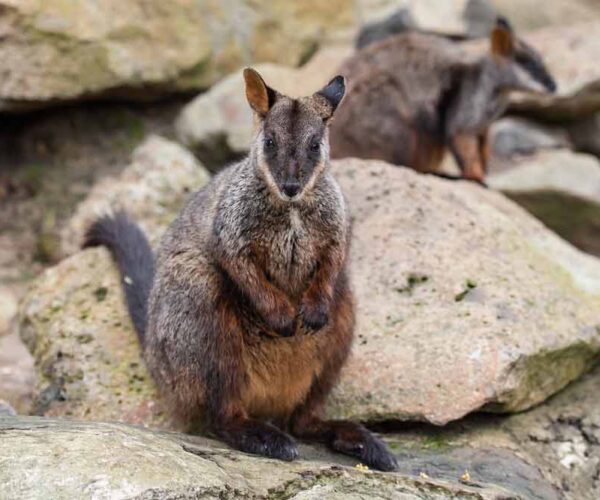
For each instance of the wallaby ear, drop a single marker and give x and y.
(333, 92)
(260, 96)
(502, 38)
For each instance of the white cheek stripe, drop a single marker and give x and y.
(264, 169)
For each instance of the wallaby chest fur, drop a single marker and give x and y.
(235, 216)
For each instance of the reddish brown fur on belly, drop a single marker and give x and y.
(280, 374)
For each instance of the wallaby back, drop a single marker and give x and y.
(414, 95)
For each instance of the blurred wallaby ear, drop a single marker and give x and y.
(260, 96)
(333, 92)
(502, 38)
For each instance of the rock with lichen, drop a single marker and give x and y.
(55, 51)
(464, 303)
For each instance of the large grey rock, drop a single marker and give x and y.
(465, 302)
(56, 51)
(560, 436)
(61, 459)
(562, 189)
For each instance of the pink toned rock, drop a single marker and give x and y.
(464, 302)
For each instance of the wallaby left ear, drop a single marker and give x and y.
(502, 38)
(333, 92)
(260, 96)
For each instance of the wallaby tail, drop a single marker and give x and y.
(132, 253)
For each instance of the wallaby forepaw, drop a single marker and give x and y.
(284, 328)
(314, 317)
(369, 449)
(282, 319)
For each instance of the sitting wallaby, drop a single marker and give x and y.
(414, 95)
(248, 317)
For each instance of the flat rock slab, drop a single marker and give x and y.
(45, 458)
(564, 171)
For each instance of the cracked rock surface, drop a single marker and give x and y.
(46, 458)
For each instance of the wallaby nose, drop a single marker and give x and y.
(291, 188)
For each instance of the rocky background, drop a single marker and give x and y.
(478, 331)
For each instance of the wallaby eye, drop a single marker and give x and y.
(315, 145)
(269, 143)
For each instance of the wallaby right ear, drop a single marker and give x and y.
(333, 92)
(260, 96)
(502, 38)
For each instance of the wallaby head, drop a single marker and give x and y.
(292, 144)
(526, 64)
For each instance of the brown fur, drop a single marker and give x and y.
(250, 314)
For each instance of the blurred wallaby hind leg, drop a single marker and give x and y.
(427, 152)
(466, 149)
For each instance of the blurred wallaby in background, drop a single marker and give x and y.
(412, 96)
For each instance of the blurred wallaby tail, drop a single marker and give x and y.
(132, 253)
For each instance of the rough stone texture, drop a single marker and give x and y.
(96, 367)
(161, 176)
(560, 188)
(561, 437)
(87, 355)
(55, 50)
(512, 137)
(217, 125)
(44, 458)
(464, 303)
